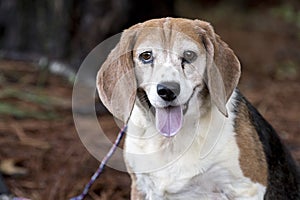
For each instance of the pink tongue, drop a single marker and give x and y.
(168, 120)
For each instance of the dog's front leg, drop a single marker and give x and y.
(135, 193)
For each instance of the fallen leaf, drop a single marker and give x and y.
(9, 167)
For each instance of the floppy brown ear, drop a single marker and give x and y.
(116, 81)
(223, 67)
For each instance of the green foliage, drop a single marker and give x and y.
(24, 96)
(45, 105)
(288, 69)
(288, 13)
(15, 111)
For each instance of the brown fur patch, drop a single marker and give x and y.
(165, 30)
(252, 158)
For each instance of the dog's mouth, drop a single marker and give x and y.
(169, 119)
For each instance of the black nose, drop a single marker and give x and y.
(168, 91)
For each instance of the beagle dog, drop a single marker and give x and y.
(191, 133)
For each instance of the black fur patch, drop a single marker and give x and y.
(283, 173)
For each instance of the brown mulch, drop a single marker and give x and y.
(54, 164)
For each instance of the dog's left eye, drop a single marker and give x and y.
(189, 56)
(146, 57)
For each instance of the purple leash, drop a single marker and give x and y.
(101, 166)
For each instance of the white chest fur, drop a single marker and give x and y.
(200, 162)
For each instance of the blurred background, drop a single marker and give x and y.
(42, 44)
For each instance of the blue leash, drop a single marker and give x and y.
(101, 166)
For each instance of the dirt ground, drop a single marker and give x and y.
(37, 131)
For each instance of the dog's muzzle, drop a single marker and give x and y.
(169, 119)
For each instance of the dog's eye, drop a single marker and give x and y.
(146, 57)
(189, 56)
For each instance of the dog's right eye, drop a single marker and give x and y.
(146, 57)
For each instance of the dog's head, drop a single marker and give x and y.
(160, 64)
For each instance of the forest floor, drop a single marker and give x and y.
(37, 132)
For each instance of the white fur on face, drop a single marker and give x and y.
(167, 67)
